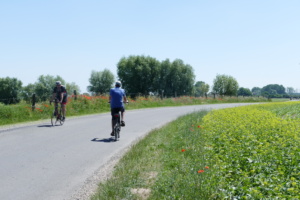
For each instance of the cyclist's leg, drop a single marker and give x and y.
(122, 116)
(63, 109)
(55, 108)
(64, 103)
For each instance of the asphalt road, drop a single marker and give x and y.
(39, 161)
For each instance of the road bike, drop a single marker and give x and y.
(117, 124)
(57, 116)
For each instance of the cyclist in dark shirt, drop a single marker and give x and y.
(117, 97)
(60, 96)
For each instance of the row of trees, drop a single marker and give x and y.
(141, 75)
(144, 75)
(270, 91)
(11, 90)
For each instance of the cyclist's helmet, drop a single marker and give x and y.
(58, 83)
(118, 84)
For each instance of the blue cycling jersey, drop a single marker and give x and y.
(117, 95)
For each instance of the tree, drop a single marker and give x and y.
(201, 89)
(10, 90)
(139, 74)
(176, 78)
(183, 78)
(290, 90)
(71, 87)
(44, 86)
(27, 92)
(256, 91)
(225, 85)
(101, 82)
(142, 75)
(244, 92)
(163, 83)
(273, 90)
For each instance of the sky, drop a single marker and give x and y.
(255, 41)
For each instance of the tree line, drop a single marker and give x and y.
(141, 75)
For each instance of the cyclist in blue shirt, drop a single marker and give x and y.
(117, 97)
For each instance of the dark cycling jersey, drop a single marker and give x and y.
(58, 91)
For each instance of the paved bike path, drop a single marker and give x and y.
(39, 161)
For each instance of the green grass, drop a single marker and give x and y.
(280, 99)
(83, 105)
(247, 152)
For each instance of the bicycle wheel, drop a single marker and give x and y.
(53, 118)
(61, 121)
(117, 131)
(60, 118)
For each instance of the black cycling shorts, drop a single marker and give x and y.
(65, 99)
(116, 110)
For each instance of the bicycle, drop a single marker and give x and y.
(117, 124)
(57, 114)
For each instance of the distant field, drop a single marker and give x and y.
(280, 99)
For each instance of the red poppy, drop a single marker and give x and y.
(200, 171)
(183, 150)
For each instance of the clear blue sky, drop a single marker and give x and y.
(255, 41)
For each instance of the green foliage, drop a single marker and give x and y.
(86, 104)
(273, 90)
(255, 151)
(71, 87)
(101, 82)
(182, 79)
(27, 92)
(244, 92)
(138, 74)
(290, 90)
(144, 75)
(256, 91)
(225, 85)
(44, 86)
(237, 153)
(201, 89)
(10, 89)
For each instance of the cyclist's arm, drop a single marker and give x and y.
(53, 96)
(125, 99)
(61, 97)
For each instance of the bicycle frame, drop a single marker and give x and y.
(117, 125)
(57, 114)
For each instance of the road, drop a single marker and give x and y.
(39, 161)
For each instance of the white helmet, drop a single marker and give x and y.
(118, 83)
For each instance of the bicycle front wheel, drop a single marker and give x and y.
(53, 118)
(61, 121)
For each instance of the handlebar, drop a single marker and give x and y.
(56, 100)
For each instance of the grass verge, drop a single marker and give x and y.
(247, 152)
(83, 105)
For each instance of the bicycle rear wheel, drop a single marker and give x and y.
(117, 131)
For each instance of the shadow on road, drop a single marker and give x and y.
(107, 140)
(45, 126)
